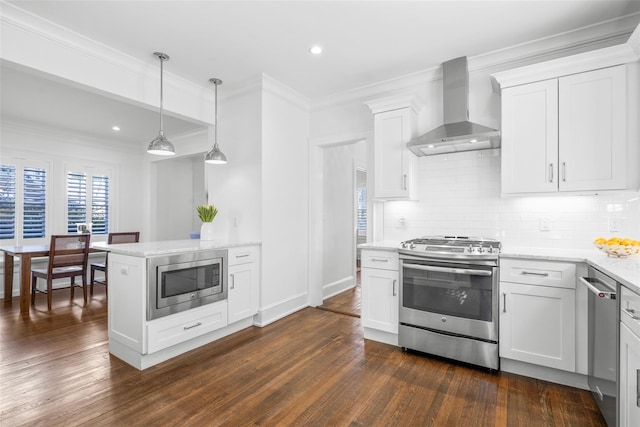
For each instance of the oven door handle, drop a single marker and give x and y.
(466, 271)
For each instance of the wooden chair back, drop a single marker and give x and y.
(124, 237)
(69, 250)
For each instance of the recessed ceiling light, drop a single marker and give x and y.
(316, 50)
(116, 128)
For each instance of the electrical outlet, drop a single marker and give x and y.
(545, 224)
(614, 224)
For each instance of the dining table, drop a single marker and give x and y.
(26, 253)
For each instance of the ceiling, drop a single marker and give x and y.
(364, 42)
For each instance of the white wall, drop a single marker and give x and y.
(338, 227)
(180, 188)
(285, 241)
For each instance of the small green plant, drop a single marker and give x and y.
(207, 212)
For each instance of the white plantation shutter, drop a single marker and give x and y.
(34, 208)
(100, 204)
(7, 202)
(362, 208)
(76, 200)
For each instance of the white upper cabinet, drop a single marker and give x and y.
(592, 134)
(565, 134)
(570, 124)
(530, 138)
(394, 125)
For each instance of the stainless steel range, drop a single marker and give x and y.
(449, 298)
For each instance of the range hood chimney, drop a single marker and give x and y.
(457, 133)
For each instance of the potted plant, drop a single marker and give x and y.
(206, 213)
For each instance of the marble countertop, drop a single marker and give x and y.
(165, 247)
(624, 270)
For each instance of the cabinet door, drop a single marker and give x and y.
(629, 378)
(392, 172)
(537, 325)
(380, 299)
(530, 138)
(592, 132)
(243, 291)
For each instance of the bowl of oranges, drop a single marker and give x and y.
(617, 246)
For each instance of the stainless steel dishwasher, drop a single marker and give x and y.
(603, 318)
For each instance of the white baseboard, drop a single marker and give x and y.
(334, 288)
(381, 336)
(552, 375)
(277, 311)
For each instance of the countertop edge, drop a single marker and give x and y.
(168, 247)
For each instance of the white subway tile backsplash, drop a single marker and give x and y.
(460, 194)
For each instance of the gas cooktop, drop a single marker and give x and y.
(453, 245)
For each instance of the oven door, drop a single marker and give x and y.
(454, 298)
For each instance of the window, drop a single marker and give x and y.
(7, 202)
(34, 202)
(362, 208)
(87, 202)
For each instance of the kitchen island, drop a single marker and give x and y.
(143, 341)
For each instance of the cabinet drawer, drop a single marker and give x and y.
(384, 260)
(242, 255)
(180, 327)
(541, 273)
(630, 309)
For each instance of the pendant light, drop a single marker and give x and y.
(161, 145)
(215, 156)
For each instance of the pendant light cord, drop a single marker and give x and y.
(161, 95)
(215, 131)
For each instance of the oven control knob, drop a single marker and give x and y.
(443, 319)
(404, 244)
(412, 245)
(480, 250)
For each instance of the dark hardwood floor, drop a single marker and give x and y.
(347, 302)
(312, 368)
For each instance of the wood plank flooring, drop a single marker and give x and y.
(347, 302)
(312, 368)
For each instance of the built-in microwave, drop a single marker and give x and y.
(179, 282)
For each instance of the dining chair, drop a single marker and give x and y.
(68, 255)
(112, 239)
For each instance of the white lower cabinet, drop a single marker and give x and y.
(629, 399)
(177, 328)
(538, 313)
(380, 287)
(243, 283)
(629, 387)
(537, 325)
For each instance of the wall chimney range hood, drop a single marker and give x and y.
(457, 133)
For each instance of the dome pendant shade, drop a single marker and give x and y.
(161, 145)
(215, 156)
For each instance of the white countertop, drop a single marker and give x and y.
(624, 270)
(165, 247)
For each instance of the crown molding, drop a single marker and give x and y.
(274, 87)
(573, 64)
(593, 37)
(395, 102)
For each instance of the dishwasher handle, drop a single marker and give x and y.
(598, 287)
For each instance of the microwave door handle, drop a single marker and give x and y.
(466, 271)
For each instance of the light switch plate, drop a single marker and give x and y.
(545, 224)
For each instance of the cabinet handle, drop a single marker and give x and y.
(233, 281)
(193, 326)
(380, 259)
(404, 181)
(393, 287)
(504, 302)
(242, 256)
(550, 172)
(564, 172)
(638, 388)
(533, 273)
(631, 313)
